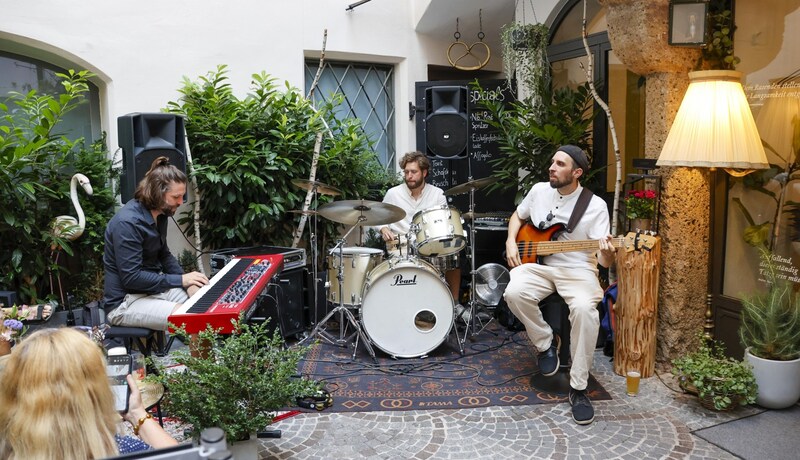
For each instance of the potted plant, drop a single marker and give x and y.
(528, 133)
(524, 48)
(770, 333)
(721, 383)
(640, 207)
(236, 383)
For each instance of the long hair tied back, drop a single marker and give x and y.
(150, 191)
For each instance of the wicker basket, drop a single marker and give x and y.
(707, 402)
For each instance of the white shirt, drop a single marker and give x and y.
(594, 225)
(400, 196)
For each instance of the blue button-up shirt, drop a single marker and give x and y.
(136, 257)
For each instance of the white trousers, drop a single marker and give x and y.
(580, 289)
(149, 311)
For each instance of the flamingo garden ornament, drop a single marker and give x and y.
(68, 227)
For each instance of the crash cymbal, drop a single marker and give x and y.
(361, 212)
(324, 189)
(305, 212)
(474, 184)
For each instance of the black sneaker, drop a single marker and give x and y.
(548, 359)
(582, 410)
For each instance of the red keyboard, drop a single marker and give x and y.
(231, 293)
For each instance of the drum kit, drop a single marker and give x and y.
(403, 303)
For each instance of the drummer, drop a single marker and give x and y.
(412, 196)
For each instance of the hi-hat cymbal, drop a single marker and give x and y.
(361, 212)
(470, 215)
(324, 189)
(474, 184)
(305, 212)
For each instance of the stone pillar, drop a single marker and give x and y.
(638, 31)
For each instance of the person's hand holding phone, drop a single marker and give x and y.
(135, 406)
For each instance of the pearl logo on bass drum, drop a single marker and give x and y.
(398, 280)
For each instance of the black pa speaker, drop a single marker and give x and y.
(144, 137)
(446, 124)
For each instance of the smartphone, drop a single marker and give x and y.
(117, 368)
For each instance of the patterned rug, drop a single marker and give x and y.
(495, 370)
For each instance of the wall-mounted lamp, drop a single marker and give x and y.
(687, 23)
(714, 127)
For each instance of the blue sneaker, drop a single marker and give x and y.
(582, 410)
(548, 359)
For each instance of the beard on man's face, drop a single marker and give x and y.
(556, 183)
(168, 211)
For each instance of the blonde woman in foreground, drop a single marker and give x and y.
(56, 402)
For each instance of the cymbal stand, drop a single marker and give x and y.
(472, 323)
(314, 253)
(342, 340)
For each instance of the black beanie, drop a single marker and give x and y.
(579, 157)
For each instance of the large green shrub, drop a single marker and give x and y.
(246, 152)
(36, 165)
(529, 133)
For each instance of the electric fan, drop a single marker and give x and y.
(490, 284)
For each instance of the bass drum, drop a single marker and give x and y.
(408, 309)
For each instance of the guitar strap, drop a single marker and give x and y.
(580, 207)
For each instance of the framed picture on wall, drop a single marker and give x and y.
(687, 23)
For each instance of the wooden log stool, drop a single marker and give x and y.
(636, 310)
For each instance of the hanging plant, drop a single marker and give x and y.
(718, 52)
(525, 56)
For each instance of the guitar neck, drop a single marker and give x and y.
(534, 243)
(546, 248)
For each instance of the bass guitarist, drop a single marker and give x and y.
(574, 275)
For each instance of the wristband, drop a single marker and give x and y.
(141, 422)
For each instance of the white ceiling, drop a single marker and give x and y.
(439, 20)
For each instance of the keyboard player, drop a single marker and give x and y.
(144, 283)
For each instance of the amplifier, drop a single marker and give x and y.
(292, 257)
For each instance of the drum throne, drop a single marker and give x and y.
(556, 313)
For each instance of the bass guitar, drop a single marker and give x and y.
(533, 243)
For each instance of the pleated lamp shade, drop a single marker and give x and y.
(778, 122)
(714, 127)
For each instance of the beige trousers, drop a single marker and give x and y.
(580, 289)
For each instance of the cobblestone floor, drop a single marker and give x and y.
(657, 424)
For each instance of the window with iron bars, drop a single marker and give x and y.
(368, 95)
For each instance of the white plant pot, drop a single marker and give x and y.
(778, 381)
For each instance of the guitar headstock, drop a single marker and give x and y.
(637, 241)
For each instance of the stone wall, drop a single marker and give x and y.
(638, 34)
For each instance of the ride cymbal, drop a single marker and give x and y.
(361, 212)
(474, 184)
(320, 187)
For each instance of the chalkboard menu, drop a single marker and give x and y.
(481, 146)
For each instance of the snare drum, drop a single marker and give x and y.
(408, 309)
(357, 262)
(439, 231)
(445, 263)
